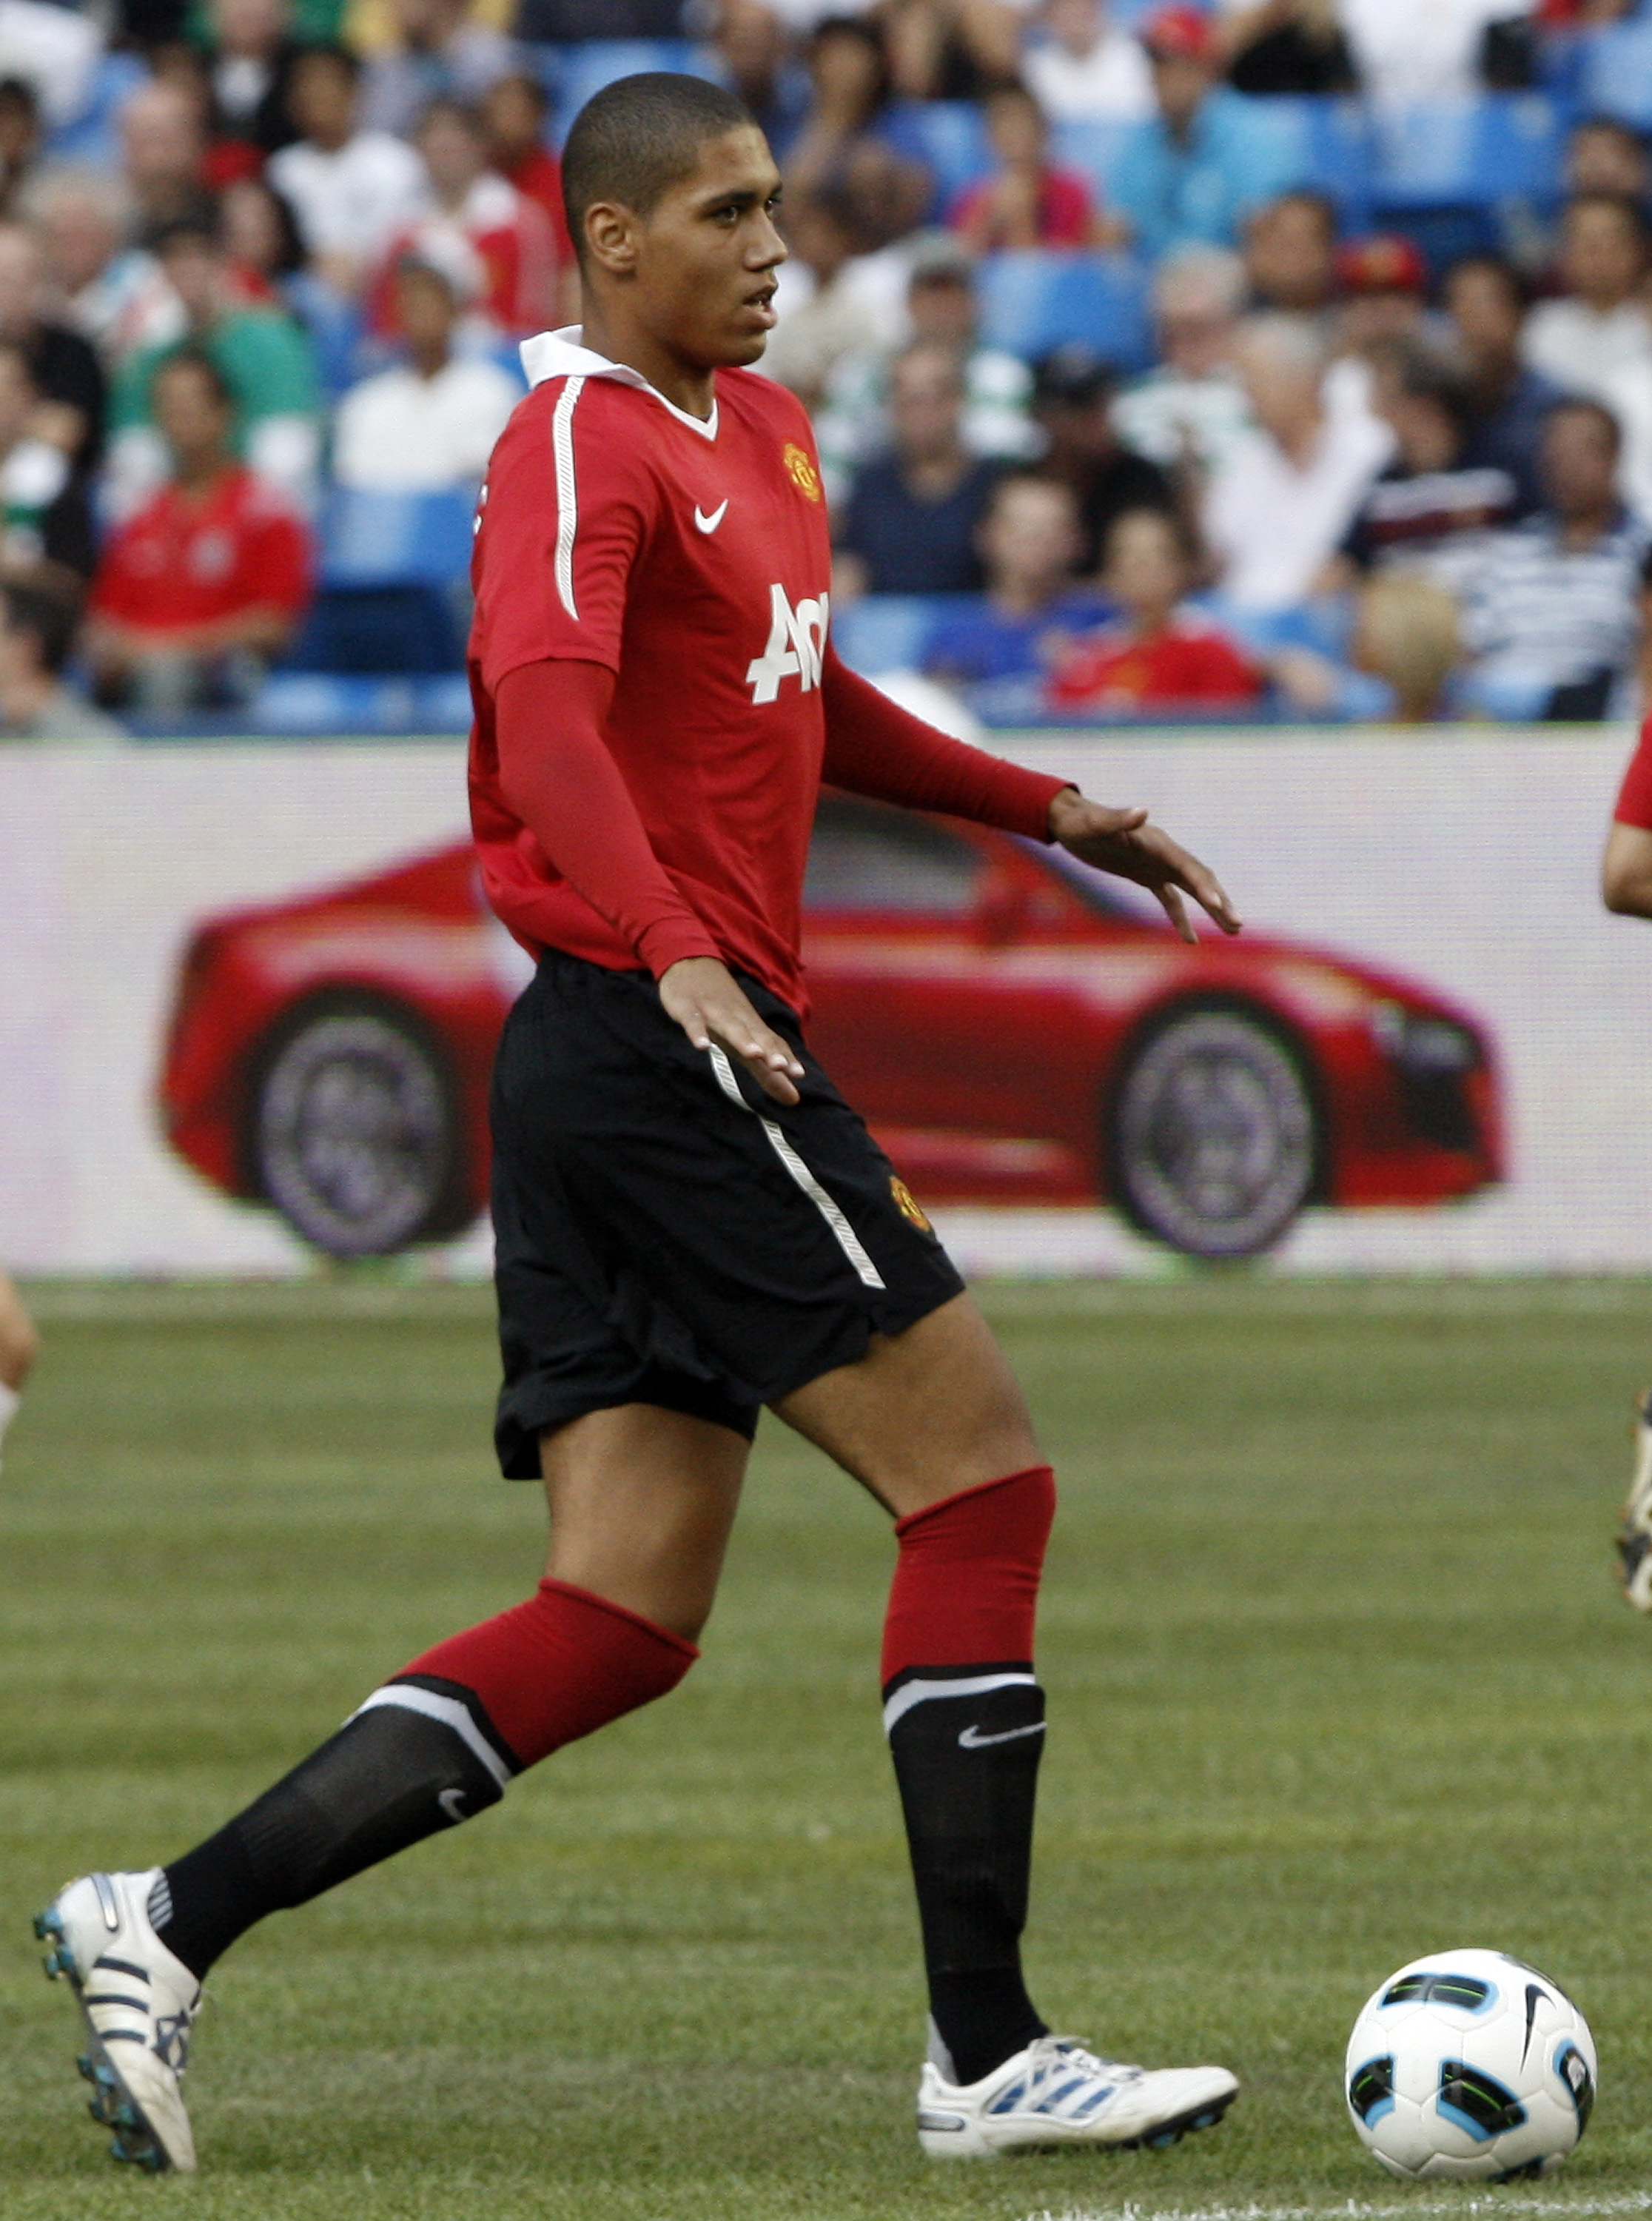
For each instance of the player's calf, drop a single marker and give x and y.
(1634, 1527)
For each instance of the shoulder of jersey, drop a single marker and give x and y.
(765, 398)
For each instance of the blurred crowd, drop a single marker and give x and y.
(1155, 370)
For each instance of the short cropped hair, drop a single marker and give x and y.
(638, 136)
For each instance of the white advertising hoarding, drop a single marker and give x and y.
(1466, 860)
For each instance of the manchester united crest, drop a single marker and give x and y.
(908, 1205)
(801, 471)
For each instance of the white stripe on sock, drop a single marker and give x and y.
(449, 1711)
(970, 1685)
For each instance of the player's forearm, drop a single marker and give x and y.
(874, 748)
(558, 774)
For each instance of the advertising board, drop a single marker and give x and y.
(248, 989)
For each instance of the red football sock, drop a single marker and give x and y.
(558, 1666)
(966, 1584)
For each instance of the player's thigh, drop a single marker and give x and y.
(642, 1500)
(923, 1414)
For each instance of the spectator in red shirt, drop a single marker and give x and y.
(514, 111)
(203, 586)
(493, 242)
(1157, 656)
(1028, 202)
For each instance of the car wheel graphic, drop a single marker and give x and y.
(354, 1130)
(1213, 1135)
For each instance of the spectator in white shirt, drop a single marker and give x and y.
(1276, 510)
(1601, 329)
(1418, 52)
(1554, 614)
(431, 422)
(1088, 69)
(1193, 407)
(352, 191)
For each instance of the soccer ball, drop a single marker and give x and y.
(1469, 2065)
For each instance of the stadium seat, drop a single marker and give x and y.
(890, 632)
(1093, 148)
(1331, 148)
(395, 539)
(949, 137)
(573, 73)
(1615, 72)
(308, 702)
(1506, 146)
(409, 630)
(1038, 298)
(91, 138)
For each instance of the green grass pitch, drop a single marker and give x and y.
(1337, 1674)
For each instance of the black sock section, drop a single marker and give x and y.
(967, 1765)
(390, 1777)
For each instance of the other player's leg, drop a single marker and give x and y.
(642, 1499)
(933, 1422)
(1634, 1527)
(19, 1347)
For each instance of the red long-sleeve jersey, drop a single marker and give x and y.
(657, 703)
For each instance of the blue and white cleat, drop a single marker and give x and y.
(138, 2002)
(1056, 2094)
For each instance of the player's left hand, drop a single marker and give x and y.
(1124, 842)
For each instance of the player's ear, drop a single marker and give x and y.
(611, 237)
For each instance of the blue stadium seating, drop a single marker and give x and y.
(1093, 148)
(948, 137)
(1036, 298)
(1506, 146)
(890, 632)
(91, 137)
(310, 702)
(573, 73)
(1614, 74)
(395, 539)
(1330, 147)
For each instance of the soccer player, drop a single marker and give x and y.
(1626, 887)
(691, 1224)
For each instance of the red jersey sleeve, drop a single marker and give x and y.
(874, 748)
(566, 511)
(1635, 795)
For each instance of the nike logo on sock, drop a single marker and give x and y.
(452, 1803)
(972, 1738)
(710, 523)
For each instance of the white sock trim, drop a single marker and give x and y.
(972, 1685)
(449, 1711)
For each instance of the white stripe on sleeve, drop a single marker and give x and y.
(562, 451)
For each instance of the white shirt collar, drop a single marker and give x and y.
(563, 355)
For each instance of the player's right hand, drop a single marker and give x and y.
(706, 1001)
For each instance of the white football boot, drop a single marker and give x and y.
(138, 2002)
(1055, 2093)
(1635, 1528)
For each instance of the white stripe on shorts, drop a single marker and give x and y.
(847, 1240)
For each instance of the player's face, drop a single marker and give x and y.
(707, 256)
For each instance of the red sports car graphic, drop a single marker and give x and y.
(1015, 1028)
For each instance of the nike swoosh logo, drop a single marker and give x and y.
(1534, 1997)
(452, 1803)
(710, 523)
(972, 1738)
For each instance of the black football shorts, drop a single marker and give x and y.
(665, 1233)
